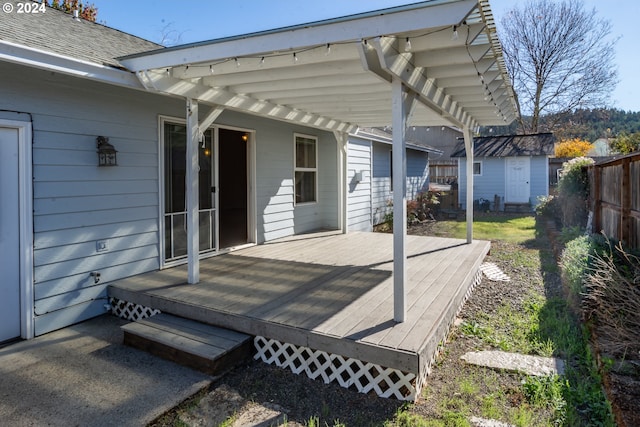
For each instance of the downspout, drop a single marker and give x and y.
(468, 148)
(342, 139)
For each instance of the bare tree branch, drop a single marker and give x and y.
(560, 57)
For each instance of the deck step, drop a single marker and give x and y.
(203, 347)
(517, 207)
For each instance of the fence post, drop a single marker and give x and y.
(625, 220)
(596, 175)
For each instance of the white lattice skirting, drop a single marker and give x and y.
(347, 372)
(353, 373)
(130, 311)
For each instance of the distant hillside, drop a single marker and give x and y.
(584, 124)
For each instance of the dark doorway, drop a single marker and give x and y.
(232, 187)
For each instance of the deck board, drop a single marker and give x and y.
(328, 291)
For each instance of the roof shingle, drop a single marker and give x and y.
(57, 32)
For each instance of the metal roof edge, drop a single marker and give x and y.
(389, 141)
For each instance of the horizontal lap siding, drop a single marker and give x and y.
(277, 215)
(359, 193)
(539, 179)
(490, 183)
(417, 173)
(76, 203)
(492, 180)
(417, 178)
(381, 194)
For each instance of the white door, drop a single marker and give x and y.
(517, 177)
(9, 235)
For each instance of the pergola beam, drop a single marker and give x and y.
(224, 98)
(401, 65)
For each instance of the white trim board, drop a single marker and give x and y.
(25, 200)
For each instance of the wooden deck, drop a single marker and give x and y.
(325, 291)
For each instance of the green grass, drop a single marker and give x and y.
(513, 229)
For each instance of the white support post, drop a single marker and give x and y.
(193, 224)
(342, 139)
(401, 104)
(468, 147)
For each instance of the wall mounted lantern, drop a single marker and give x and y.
(106, 152)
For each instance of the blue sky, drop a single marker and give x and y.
(210, 19)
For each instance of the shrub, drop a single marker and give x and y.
(548, 206)
(573, 148)
(575, 262)
(573, 191)
(419, 209)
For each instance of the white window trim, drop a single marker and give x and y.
(297, 169)
(481, 168)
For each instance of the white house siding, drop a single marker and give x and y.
(492, 180)
(417, 178)
(359, 192)
(77, 203)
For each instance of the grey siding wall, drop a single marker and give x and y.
(539, 179)
(277, 214)
(486, 185)
(77, 203)
(492, 180)
(359, 193)
(417, 178)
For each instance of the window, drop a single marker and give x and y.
(306, 168)
(477, 168)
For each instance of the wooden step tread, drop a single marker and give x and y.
(188, 342)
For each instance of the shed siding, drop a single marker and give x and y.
(417, 178)
(359, 193)
(77, 203)
(492, 180)
(539, 179)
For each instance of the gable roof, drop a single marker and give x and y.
(58, 32)
(541, 144)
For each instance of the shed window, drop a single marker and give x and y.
(477, 168)
(306, 168)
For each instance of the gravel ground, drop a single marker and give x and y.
(301, 399)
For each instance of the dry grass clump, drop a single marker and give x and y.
(612, 300)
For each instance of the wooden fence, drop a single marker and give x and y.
(615, 199)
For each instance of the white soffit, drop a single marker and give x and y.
(336, 74)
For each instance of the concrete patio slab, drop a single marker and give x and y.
(83, 375)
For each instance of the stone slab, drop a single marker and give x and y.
(530, 365)
(483, 422)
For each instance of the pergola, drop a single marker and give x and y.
(432, 63)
